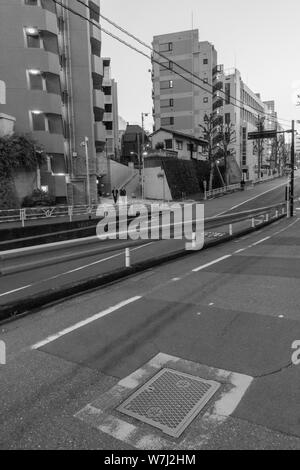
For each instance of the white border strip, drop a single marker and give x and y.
(109, 310)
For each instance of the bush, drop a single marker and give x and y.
(38, 198)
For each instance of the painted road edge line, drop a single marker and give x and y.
(211, 263)
(89, 320)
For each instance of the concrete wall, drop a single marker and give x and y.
(156, 187)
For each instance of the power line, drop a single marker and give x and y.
(109, 33)
(123, 30)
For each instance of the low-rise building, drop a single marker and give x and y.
(179, 145)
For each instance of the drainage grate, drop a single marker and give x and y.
(170, 401)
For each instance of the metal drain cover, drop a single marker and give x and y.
(170, 400)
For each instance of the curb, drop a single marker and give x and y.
(27, 306)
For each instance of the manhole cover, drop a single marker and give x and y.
(170, 400)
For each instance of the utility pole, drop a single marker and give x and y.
(88, 185)
(293, 170)
(142, 153)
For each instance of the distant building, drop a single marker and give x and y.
(111, 115)
(240, 107)
(50, 61)
(178, 144)
(177, 104)
(132, 140)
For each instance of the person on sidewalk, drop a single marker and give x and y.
(123, 195)
(115, 193)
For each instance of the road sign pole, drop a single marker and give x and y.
(292, 193)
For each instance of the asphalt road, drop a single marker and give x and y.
(20, 285)
(231, 313)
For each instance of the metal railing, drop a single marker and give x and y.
(222, 190)
(36, 213)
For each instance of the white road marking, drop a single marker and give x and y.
(80, 268)
(211, 263)
(260, 241)
(15, 290)
(239, 251)
(252, 199)
(102, 314)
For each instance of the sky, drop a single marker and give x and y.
(259, 37)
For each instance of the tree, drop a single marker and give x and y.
(16, 152)
(224, 139)
(208, 134)
(259, 145)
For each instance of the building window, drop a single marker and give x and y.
(205, 61)
(38, 121)
(169, 144)
(167, 103)
(166, 47)
(94, 11)
(33, 39)
(52, 83)
(167, 121)
(55, 124)
(227, 93)
(166, 84)
(205, 100)
(97, 81)
(96, 47)
(227, 118)
(179, 145)
(35, 80)
(58, 164)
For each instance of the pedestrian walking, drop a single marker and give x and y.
(115, 193)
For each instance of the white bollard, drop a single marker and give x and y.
(277, 214)
(267, 217)
(230, 230)
(127, 258)
(253, 223)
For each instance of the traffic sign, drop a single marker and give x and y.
(262, 135)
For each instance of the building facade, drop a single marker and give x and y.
(239, 108)
(179, 105)
(51, 62)
(111, 113)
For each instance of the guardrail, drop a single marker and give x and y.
(35, 213)
(222, 190)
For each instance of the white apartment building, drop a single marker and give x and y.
(111, 113)
(240, 106)
(177, 104)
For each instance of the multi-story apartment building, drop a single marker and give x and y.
(178, 104)
(240, 108)
(111, 114)
(51, 62)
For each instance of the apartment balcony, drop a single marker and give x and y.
(41, 60)
(218, 104)
(100, 132)
(109, 133)
(98, 97)
(106, 81)
(107, 99)
(97, 64)
(95, 32)
(52, 143)
(108, 117)
(43, 19)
